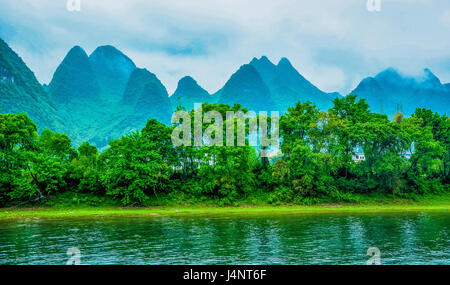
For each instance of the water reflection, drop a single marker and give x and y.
(403, 238)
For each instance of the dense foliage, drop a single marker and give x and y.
(403, 156)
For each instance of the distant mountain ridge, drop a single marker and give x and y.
(74, 78)
(112, 69)
(389, 92)
(188, 93)
(147, 96)
(105, 95)
(21, 92)
(101, 96)
(247, 88)
(288, 86)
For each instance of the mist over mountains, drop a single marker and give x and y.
(99, 97)
(390, 91)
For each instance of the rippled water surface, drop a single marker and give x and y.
(403, 238)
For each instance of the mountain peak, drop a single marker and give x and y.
(430, 79)
(247, 73)
(389, 90)
(247, 87)
(21, 92)
(262, 60)
(284, 62)
(187, 81)
(142, 75)
(144, 72)
(76, 52)
(291, 87)
(147, 95)
(389, 73)
(254, 61)
(188, 93)
(108, 51)
(139, 78)
(112, 69)
(246, 68)
(367, 84)
(265, 67)
(285, 66)
(74, 78)
(189, 85)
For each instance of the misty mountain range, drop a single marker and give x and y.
(101, 96)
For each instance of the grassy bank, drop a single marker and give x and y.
(367, 205)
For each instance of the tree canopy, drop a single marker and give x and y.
(402, 156)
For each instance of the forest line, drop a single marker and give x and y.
(316, 164)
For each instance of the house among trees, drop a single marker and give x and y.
(407, 155)
(358, 154)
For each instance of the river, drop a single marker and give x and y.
(331, 238)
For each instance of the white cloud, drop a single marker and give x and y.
(210, 39)
(445, 18)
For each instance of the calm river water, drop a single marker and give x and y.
(344, 238)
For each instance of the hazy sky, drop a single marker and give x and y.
(332, 43)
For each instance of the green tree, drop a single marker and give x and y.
(308, 136)
(17, 136)
(226, 172)
(351, 111)
(136, 165)
(440, 129)
(47, 164)
(383, 142)
(85, 170)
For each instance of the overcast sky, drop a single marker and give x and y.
(332, 43)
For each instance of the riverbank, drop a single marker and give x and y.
(394, 206)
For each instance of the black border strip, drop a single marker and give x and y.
(273, 273)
